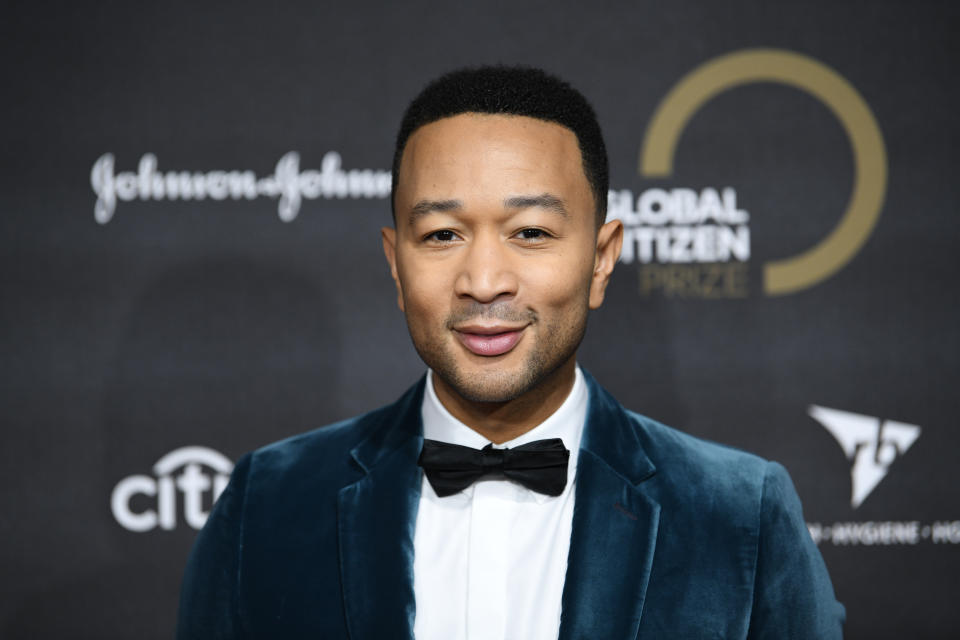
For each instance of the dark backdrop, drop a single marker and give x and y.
(211, 322)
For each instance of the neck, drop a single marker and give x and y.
(502, 421)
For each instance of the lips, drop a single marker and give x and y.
(490, 341)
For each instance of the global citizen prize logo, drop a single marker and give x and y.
(686, 242)
(696, 244)
(160, 491)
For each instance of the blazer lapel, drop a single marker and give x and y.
(614, 530)
(376, 519)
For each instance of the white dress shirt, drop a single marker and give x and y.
(490, 561)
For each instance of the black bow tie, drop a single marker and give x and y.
(540, 465)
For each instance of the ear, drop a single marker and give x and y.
(609, 243)
(389, 236)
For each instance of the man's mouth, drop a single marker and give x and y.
(489, 341)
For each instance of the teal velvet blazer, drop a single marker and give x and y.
(673, 537)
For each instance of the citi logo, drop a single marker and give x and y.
(162, 489)
(870, 444)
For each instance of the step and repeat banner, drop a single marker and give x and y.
(191, 267)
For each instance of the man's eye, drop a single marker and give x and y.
(444, 235)
(533, 234)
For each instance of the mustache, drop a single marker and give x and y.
(502, 311)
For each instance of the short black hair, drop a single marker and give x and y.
(512, 90)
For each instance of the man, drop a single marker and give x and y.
(506, 495)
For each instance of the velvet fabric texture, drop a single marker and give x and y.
(672, 537)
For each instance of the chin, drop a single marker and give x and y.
(494, 382)
(494, 391)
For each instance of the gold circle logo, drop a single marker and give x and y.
(832, 253)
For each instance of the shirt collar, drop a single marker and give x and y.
(565, 423)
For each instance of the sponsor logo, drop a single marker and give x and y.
(289, 184)
(160, 490)
(686, 242)
(885, 534)
(871, 445)
(707, 257)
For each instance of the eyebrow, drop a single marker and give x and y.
(424, 207)
(546, 201)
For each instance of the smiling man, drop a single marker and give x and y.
(498, 254)
(506, 494)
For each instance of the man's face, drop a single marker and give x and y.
(496, 254)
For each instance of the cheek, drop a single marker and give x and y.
(561, 287)
(425, 294)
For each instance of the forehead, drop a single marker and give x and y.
(492, 154)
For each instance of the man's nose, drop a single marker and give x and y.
(487, 271)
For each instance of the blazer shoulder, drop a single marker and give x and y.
(704, 472)
(667, 445)
(324, 452)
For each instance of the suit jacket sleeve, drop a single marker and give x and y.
(209, 597)
(793, 596)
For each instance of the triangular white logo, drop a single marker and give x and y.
(871, 446)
